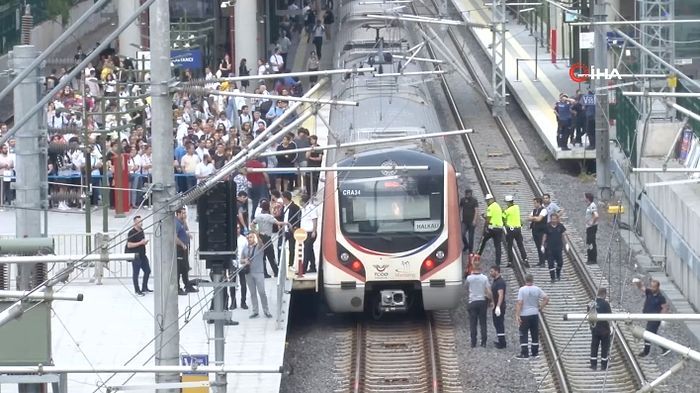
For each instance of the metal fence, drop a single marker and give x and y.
(690, 103)
(79, 244)
(626, 117)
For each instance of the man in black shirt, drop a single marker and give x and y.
(600, 331)
(553, 245)
(468, 206)
(655, 303)
(498, 293)
(136, 244)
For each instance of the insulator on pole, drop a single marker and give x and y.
(27, 26)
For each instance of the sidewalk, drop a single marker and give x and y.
(535, 95)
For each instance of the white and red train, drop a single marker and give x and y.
(390, 240)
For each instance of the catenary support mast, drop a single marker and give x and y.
(166, 310)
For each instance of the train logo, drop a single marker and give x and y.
(391, 168)
(381, 268)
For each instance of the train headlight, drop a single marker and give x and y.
(344, 256)
(440, 255)
(428, 264)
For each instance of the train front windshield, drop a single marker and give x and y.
(399, 205)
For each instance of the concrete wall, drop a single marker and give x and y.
(659, 138)
(670, 223)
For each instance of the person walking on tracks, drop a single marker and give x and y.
(553, 245)
(493, 228)
(531, 300)
(538, 226)
(498, 294)
(600, 331)
(511, 218)
(479, 294)
(469, 207)
(591, 229)
(655, 303)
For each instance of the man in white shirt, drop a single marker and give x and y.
(189, 165)
(204, 168)
(284, 43)
(309, 223)
(277, 61)
(246, 117)
(319, 31)
(7, 165)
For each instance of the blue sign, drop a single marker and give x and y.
(614, 39)
(187, 58)
(199, 360)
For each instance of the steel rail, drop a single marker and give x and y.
(579, 264)
(559, 370)
(432, 354)
(358, 357)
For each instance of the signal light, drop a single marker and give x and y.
(356, 265)
(428, 264)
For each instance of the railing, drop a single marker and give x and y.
(76, 244)
(626, 116)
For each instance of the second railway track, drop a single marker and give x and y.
(501, 169)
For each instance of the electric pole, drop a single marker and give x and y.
(28, 167)
(602, 142)
(166, 310)
(498, 60)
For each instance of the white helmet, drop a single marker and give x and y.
(509, 198)
(488, 196)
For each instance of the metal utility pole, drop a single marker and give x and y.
(28, 166)
(166, 327)
(498, 59)
(602, 142)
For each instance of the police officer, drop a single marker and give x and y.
(600, 331)
(498, 294)
(591, 229)
(562, 109)
(511, 218)
(588, 101)
(538, 226)
(493, 228)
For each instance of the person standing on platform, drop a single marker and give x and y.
(655, 303)
(136, 244)
(589, 109)
(182, 241)
(562, 109)
(314, 159)
(591, 229)
(309, 223)
(553, 245)
(538, 226)
(264, 226)
(511, 218)
(531, 300)
(252, 260)
(479, 295)
(493, 228)
(318, 32)
(600, 331)
(292, 215)
(469, 207)
(284, 43)
(498, 294)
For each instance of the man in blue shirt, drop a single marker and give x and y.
(562, 109)
(588, 101)
(182, 241)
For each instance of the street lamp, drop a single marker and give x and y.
(232, 26)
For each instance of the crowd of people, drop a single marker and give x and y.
(575, 119)
(105, 114)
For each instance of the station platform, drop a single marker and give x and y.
(536, 94)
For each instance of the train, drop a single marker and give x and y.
(390, 239)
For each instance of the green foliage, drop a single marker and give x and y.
(59, 8)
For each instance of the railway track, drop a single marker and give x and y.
(415, 356)
(501, 169)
